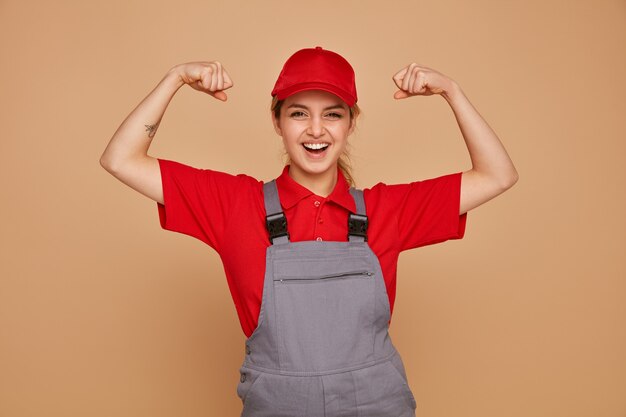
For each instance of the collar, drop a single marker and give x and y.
(291, 192)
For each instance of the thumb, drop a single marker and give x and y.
(220, 95)
(400, 94)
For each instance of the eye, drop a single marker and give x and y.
(297, 114)
(337, 115)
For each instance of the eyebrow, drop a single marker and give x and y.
(302, 106)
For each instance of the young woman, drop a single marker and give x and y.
(311, 260)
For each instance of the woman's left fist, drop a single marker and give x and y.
(414, 80)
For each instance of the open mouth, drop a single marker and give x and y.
(315, 148)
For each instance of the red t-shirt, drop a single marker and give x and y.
(227, 213)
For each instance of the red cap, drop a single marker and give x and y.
(316, 69)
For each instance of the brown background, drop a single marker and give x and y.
(104, 314)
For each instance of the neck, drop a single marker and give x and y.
(320, 184)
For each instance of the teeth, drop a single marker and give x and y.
(315, 145)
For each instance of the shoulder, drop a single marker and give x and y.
(215, 177)
(381, 191)
(410, 198)
(209, 187)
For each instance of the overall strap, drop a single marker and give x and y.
(357, 223)
(275, 219)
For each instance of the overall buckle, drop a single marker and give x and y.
(276, 226)
(357, 226)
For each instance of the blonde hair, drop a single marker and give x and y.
(344, 162)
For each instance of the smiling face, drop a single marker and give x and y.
(315, 126)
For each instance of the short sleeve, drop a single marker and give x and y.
(427, 212)
(196, 201)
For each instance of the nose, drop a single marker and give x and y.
(316, 127)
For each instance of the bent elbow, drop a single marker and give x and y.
(108, 165)
(510, 180)
(105, 163)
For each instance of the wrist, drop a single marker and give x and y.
(452, 91)
(173, 78)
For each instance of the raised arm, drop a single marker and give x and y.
(492, 170)
(126, 155)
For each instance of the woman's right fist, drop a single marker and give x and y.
(208, 77)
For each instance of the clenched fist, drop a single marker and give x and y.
(208, 77)
(414, 80)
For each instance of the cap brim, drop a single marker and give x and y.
(281, 95)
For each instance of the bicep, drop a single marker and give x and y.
(142, 174)
(477, 189)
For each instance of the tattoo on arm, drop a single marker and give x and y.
(151, 129)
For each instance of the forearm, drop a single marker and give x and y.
(489, 157)
(134, 136)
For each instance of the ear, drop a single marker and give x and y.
(352, 126)
(276, 124)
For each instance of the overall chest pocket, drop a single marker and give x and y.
(324, 313)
